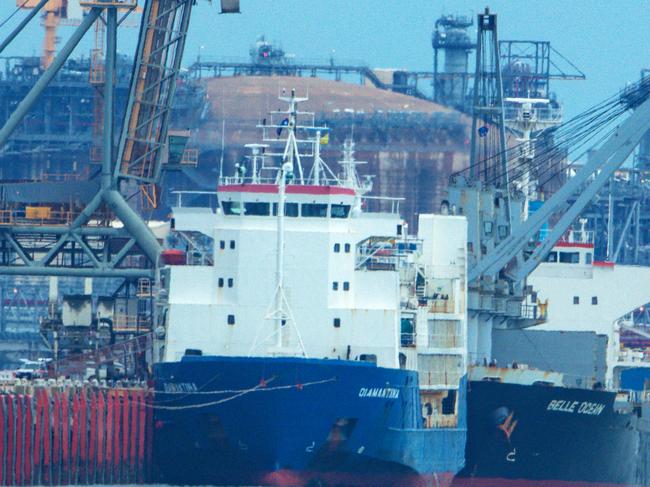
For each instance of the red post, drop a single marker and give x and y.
(141, 436)
(149, 458)
(65, 436)
(20, 436)
(117, 419)
(74, 446)
(9, 478)
(125, 435)
(100, 433)
(83, 435)
(56, 437)
(92, 447)
(38, 435)
(47, 435)
(2, 440)
(29, 426)
(134, 432)
(110, 429)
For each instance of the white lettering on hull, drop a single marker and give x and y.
(577, 407)
(379, 392)
(180, 387)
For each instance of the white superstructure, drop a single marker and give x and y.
(580, 294)
(357, 286)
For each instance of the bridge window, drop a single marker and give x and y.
(340, 211)
(570, 257)
(552, 257)
(589, 257)
(290, 209)
(231, 207)
(257, 209)
(314, 210)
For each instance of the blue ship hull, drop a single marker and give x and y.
(293, 421)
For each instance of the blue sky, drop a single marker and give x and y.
(609, 41)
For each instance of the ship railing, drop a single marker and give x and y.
(628, 355)
(531, 312)
(392, 202)
(377, 256)
(200, 247)
(384, 253)
(441, 305)
(578, 236)
(441, 421)
(126, 323)
(546, 114)
(236, 180)
(36, 215)
(66, 177)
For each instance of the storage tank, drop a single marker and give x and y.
(411, 145)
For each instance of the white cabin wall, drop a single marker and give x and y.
(368, 310)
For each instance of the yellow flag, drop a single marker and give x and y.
(325, 139)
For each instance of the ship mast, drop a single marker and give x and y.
(279, 310)
(291, 148)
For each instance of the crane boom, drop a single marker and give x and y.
(158, 60)
(601, 166)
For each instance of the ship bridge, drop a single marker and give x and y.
(301, 200)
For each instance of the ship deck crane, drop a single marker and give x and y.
(587, 182)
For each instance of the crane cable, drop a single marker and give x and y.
(4, 22)
(588, 123)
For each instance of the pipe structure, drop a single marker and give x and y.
(22, 25)
(61, 230)
(134, 224)
(109, 91)
(39, 270)
(26, 104)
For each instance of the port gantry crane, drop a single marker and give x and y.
(92, 245)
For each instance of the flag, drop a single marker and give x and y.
(325, 139)
(283, 124)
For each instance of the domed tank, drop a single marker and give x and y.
(411, 145)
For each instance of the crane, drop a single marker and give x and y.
(587, 182)
(92, 245)
(54, 12)
(503, 245)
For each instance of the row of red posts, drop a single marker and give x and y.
(65, 435)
